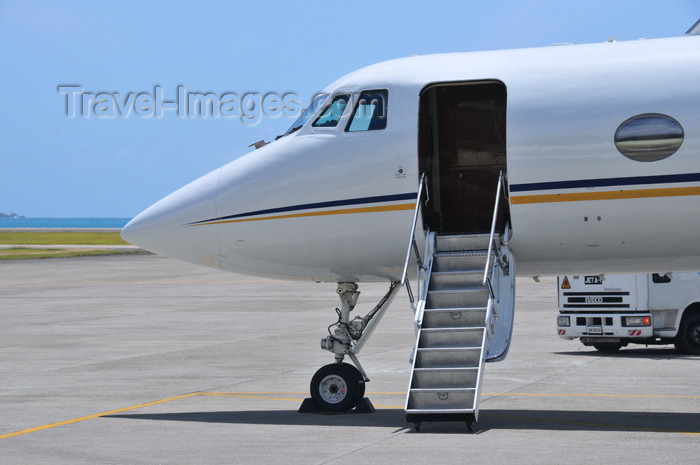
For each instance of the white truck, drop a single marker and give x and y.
(610, 311)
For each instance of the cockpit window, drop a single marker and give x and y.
(370, 111)
(306, 114)
(331, 115)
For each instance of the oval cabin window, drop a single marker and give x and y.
(649, 137)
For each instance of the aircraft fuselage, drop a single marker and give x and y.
(331, 204)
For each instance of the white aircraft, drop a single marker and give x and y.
(599, 150)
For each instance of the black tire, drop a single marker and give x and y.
(608, 347)
(337, 387)
(688, 338)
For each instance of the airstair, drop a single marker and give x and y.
(463, 318)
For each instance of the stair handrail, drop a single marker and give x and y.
(412, 246)
(486, 279)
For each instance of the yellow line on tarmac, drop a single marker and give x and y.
(248, 396)
(253, 393)
(533, 394)
(144, 282)
(96, 415)
(289, 393)
(543, 394)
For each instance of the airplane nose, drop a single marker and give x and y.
(167, 228)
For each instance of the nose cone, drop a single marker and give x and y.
(169, 227)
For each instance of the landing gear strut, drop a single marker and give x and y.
(339, 387)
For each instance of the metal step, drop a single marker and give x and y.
(454, 317)
(451, 341)
(441, 399)
(435, 338)
(415, 416)
(456, 279)
(460, 261)
(440, 378)
(448, 357)
(453, 298)
(462, 242)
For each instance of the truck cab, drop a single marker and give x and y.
(611, 311)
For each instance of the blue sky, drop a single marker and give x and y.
(97, 166)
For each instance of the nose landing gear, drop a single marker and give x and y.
(340, 387)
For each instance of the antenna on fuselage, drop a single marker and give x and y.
(258, 144)
(694, 30)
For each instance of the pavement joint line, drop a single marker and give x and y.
(366, 446)
(267, 395)
(586, 423)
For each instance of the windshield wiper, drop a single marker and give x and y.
(290, 131)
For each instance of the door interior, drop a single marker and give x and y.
(462, 149)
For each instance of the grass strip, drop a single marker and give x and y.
(22, 253)
(61, 237)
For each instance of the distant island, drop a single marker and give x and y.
(11, 215)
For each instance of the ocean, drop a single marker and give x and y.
(63, 223)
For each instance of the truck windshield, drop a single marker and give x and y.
(306, 114)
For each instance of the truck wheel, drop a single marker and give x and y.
(608, 347)
(688, 338)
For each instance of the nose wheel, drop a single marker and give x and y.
(337, 387)
(340, 387)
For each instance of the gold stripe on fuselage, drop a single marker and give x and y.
(344, 211)
(608, 195)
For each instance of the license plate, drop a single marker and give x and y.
(595, 330)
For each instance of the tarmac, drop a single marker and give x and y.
(70, 246)
(140, 359)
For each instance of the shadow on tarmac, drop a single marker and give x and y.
(543, 420)
(653, 353)
(380, 418)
